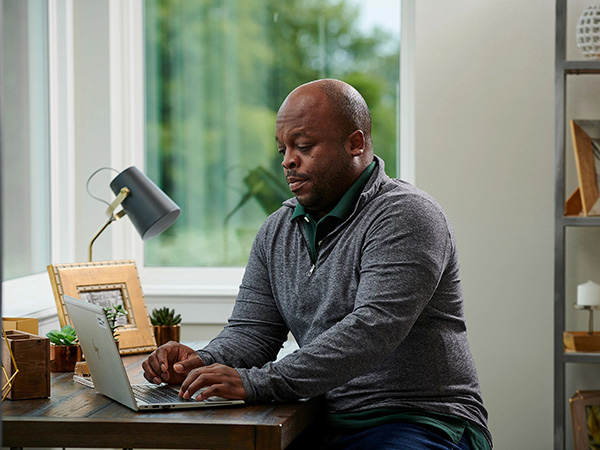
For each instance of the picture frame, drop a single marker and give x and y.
(585, 415)
(106, 283)
(584, 200)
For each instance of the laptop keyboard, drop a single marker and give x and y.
(154, 394)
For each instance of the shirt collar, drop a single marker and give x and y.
(345, 206)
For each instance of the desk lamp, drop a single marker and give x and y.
(150, 210)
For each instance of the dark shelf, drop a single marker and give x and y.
(580, 357)
(581, 67)
(576, 221)
(563, 69)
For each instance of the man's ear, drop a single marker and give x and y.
(357, 143)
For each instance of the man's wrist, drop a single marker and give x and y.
(250, 392)
(205, 357)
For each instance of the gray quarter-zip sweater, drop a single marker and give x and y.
(379, 320)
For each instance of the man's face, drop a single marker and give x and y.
(317, 161)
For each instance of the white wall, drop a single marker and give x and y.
(485, 149)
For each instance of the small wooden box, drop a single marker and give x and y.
(581, 341)
(32, 356)
(27, 324)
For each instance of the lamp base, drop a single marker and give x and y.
(581, 341)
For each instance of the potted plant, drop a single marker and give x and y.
(113, 313)
(65, 351)
(165, 325)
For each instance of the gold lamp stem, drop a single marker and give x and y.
(111, 216)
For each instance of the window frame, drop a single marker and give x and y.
(33, 292)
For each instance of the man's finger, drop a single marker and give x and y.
(150, 373)
(196, 380)
(187, 365)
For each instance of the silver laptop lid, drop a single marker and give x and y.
(100, 350)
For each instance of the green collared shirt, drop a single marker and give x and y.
(316, 231)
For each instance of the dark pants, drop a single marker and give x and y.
(392, 436)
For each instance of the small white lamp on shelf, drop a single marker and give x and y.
(588, 294)
(588, 299)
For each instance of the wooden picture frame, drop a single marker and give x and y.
(586, 141)
(585, 415)
(106, 283)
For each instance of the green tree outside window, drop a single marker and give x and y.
(216, 73)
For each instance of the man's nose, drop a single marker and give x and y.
(290, 161)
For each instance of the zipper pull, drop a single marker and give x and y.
(312, 269)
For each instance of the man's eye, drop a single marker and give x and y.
(281, 151)
(304, 148)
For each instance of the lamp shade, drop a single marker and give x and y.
(150, 210)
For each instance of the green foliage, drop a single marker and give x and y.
(112, 315)
(65, 336)
(216, 74)
(266, 188)
(164, 317)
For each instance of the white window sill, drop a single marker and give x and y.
(29, 296)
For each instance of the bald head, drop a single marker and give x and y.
(345, 102)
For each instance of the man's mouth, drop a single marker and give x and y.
(295, 182)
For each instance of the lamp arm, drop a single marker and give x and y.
(108, 222)
(111, 216)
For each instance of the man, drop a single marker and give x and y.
(363, 271)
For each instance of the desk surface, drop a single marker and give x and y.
(77, 416)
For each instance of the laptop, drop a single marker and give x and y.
(107, 370)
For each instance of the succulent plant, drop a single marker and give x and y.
(65, 336)
(164, 317)
(112, 315)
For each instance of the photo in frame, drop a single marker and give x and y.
(107, 283)
(585, 415)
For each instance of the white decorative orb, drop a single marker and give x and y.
(588, 32)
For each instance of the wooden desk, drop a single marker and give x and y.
(77, 416)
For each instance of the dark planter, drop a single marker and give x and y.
(166, 333)
(64, 357)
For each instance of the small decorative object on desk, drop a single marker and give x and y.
(27, 324)
(588, 299)
(588, 32)
(64, 351)
(165, 324)
(113, 314)
(31, 379)
(106, 283)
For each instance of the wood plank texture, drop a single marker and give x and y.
(77, 416)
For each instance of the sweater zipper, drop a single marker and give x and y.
(314, 265)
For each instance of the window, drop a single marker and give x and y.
(37, 152)
(216, 73)
(25, 139)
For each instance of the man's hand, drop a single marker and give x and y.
(170, 363)
(222, 381)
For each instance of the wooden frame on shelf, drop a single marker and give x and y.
(585, 135)
(106, 283)
(585, 414)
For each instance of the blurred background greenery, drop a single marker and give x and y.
(216, 74)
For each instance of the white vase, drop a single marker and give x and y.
(588, 32)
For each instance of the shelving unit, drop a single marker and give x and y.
(564, 69)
